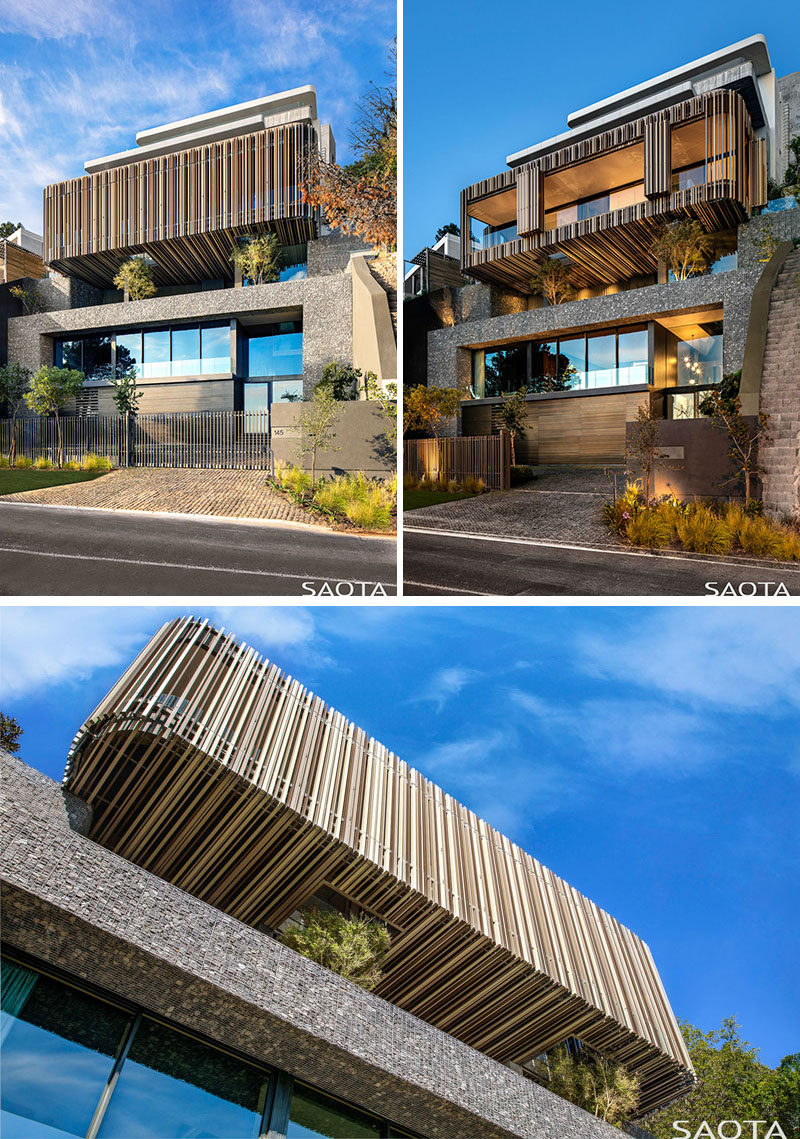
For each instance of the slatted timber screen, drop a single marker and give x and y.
(486, 457)
(213, 769)
(530, 200)
(38, 438)
(617, 246)
(183, 208)
(210, 440)
(16, 262)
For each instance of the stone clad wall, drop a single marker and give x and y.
(73, 904)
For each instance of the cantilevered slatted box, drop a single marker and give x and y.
(210, 767)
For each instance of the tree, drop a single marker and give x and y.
(135, 278)
(14, 383)
(126, 394)
(50, 390)
(513, 416)
(355, 948)
(685, 247)
(598, 1085)
(641, 448)
(342, 380)
(31, 301)
(362, 198)
(259, 259)
(318, 421)
(732, 1084)
(10, 731)
(553, 279)
(725, 412)
(428, 409)
(451, 227)
(9, 227)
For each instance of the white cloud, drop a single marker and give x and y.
(44, 646)
(50, 19)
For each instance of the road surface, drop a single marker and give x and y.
(438, 564)
(47, 551)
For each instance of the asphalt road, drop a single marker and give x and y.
(46, 551)
(438, 565)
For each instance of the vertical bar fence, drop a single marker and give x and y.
(486, 457)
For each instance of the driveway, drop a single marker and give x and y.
(227, 494)
(562, 504)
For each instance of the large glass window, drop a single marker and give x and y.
(216, 349)
(69, 355)
(700, 358)
(573, 353)
(96, 354)
(129, 351)
(601, 360)
(185, 351)
(59, 1047)
(545, 371)
(314, 1115)
(483, 236)
(172, 1086)
(276, 351)
(505, 369)
(633, 356)
(155, 356)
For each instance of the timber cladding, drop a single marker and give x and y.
(617, 245)
(572, 429)
(211, 768)
(16, 262)
(183, 209)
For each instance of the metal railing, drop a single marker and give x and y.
(486, 457)
(210, 440)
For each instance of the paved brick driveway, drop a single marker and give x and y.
(562, 504)
(232, 494)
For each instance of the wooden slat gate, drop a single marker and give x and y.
(486, 457)
(213, 440)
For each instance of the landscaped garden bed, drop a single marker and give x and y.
(38, 474)
(702, 527)
(346, 502)
(427, 491)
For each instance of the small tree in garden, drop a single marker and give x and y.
(50, 390)
(355, 948)
(259, 259)
(10, 731)
(642, 444)
(512, 415)
(429, 409)
(126, 395)
(726, 413)
(31, 301)
(601, 1087)
(14, 383)
(553, 279)
(135, 278)
(318, 421)
(685, 247)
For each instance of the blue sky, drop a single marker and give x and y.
(484, 81)
(650, 756)
(79, 78)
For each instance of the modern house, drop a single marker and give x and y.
(182, 199)
(206, 801)
(701, 143)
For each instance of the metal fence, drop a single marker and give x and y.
(213, 440)
(486, 457)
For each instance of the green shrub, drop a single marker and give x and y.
(42, 464)
(789, 545)
(354, 948)
(410, 481)
(72, 465)
(521, 474)
(94, 462)
(293, 479)
(734, 516)
(426, 482)
(616, 515)
(390, 486)
(23, 463)
(671, 510)
(701, 531)
(648, 528)
(364, 502)
(372, 515)
(472, 485)
(757, 536)
(3, 463)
